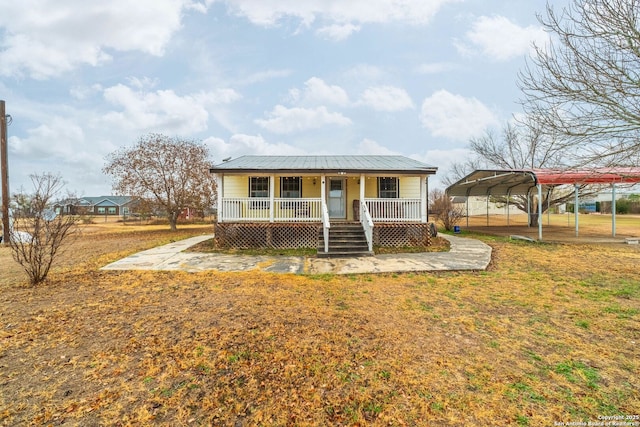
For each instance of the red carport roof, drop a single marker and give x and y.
(519, 181)
(593, 176)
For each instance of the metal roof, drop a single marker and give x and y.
(106, 200)
(324, 164)
(519, 181)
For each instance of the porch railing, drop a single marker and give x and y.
(367, 224)
(259, 209)
(394, 210)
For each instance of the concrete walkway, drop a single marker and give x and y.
(465, 254)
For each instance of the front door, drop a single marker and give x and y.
(337, 200)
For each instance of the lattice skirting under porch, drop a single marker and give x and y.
(401, 235)
(266, 235)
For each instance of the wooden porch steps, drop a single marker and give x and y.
(346, 239)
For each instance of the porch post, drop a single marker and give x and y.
(272, 191)
(362, 192)
(424, 206)
(220, 184)
(323, 189)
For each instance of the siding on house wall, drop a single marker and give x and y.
(236, 186)
(308, 189)
(371, 187)
(410, 187)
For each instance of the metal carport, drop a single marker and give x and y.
(507, 182)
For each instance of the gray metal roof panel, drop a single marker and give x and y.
(325, 163)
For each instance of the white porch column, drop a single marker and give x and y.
(272, 191)
(362, 192)
(424, 206)
(220, 187)
(323, 189)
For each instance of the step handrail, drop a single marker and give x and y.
(326, 225)
(367, 224)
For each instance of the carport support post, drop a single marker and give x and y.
(467, 203)
(575, 208)
(613, 210)
(539, 211)
(528, 208)
(488, 209)
(508, 197)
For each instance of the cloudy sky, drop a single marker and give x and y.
(412, 77)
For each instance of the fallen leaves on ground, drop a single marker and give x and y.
(549, 334)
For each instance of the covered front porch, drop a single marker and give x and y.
(337, 198)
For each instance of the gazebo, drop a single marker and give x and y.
(507, 182)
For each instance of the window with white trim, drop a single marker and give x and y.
(290, 187)
(388, 187)
(259, 188)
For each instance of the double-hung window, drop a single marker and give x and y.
(388, 187)
(290, 188)
(259, 188)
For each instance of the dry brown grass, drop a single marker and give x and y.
(549, 334)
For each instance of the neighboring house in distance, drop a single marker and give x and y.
(476, 205)
(301, 201)
(101, 205)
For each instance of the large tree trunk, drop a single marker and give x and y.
(173, 220)
(533, 219)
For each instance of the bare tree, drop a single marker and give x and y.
(584, 86)
(445, 211)
(38, 235)
(172, 172)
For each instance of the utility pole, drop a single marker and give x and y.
(4, 165)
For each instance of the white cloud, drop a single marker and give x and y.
(46, 38)
(84, 92)
(455, 117)
(365, 72)
(435, 68)
(59, 137)
(270, 12)
(317, 91)
(163, 110)
(369, 146)
(500, 39)
(241, 144)
(443, 160)
(290, 120)
(337, 32)
(262, 76)
(386, 98)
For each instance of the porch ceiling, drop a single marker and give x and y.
(325, 165)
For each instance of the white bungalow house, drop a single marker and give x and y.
(309, 201)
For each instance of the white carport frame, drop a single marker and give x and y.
(506, 182)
